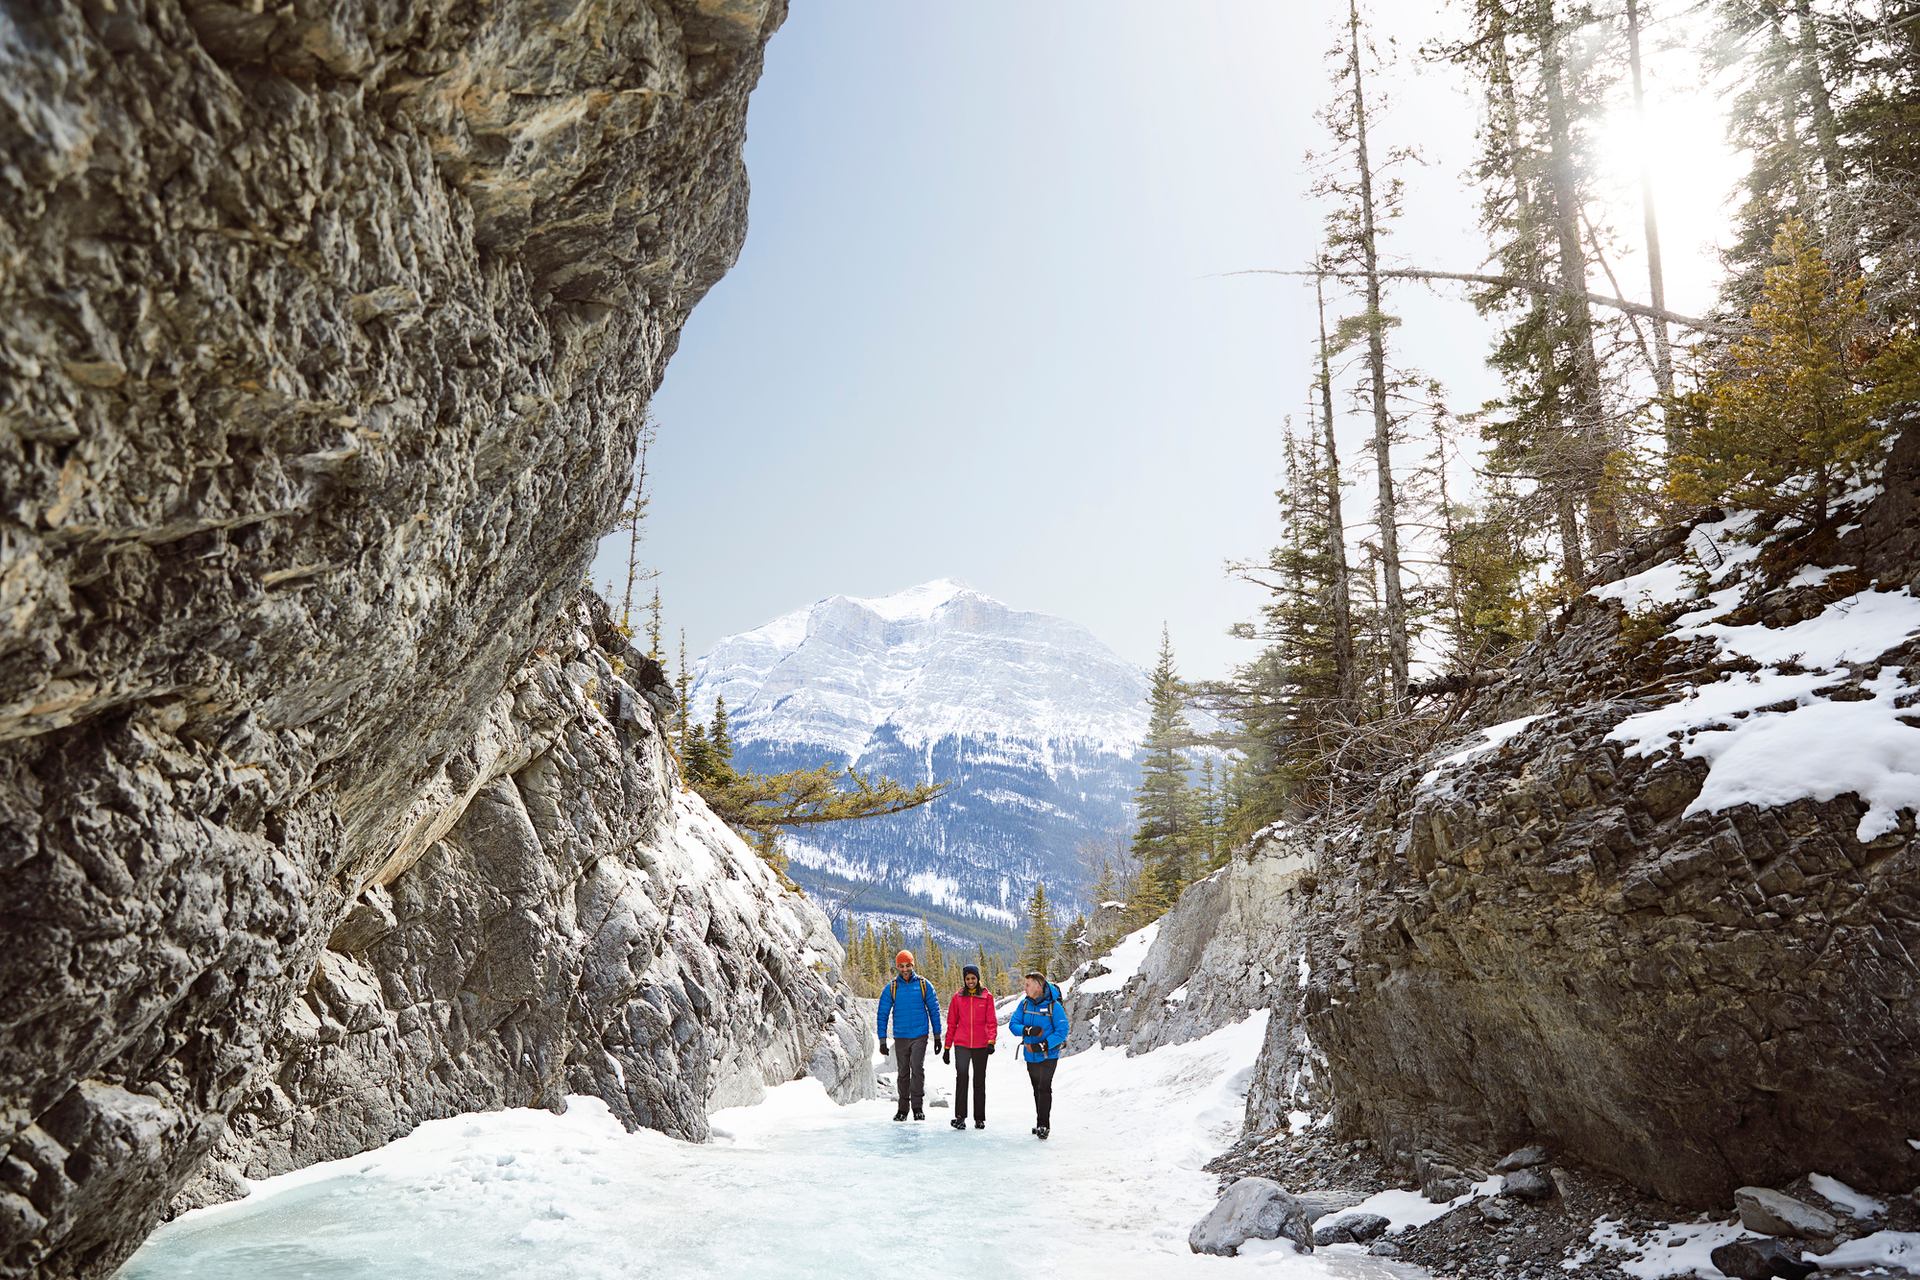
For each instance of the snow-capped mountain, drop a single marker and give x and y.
(1035, 722)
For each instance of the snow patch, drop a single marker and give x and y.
(1897, 1249)
(1677, 1249)
(1807, 746)
(1123, 961)
(1488, 739)
(1857, 1203)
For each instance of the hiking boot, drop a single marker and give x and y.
(957, 1123)
(1040, 1131)
(979, 1124)
(918, 1114)
(901, 1114)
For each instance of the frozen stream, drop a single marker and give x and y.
(794, 1187)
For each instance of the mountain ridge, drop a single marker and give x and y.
(1035, 721)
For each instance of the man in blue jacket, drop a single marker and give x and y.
(915, 1009)
(1041, 1023)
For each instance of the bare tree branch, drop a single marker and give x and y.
(1696, 323)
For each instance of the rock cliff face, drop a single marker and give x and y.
(1558, 933)
(324, 336)
(1656, 909)
(1232, 945)
(583, 926)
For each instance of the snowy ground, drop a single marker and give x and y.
(794, 1187)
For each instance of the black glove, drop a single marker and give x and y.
(946, 1056)
(883, 1048)
(938, 1045)
(989, 1046)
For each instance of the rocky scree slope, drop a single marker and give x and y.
(584, 925)
(324, 336)
(1660, 913)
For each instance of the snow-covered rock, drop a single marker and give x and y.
(1775, 1213)
(1035, 721)
(1251, 1209)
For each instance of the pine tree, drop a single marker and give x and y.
(1042, 941)
(654, 650)
(633, 515)
(1355, 231)
(720, 741)
(1792, 416)
(1163, 805)
(682, 703)
(1332, 515)
(1292, 703)
(696, 756)
(1551, 424)
(1212, 845)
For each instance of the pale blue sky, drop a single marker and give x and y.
(976, 330)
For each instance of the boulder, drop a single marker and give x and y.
(1318, 1204)
(1251, 1209)
(1760, 1258)
(1352, 1228)
(1527, 1184)
(1774, 1213)
(1525, 1158)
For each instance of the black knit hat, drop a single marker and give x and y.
(973, 969)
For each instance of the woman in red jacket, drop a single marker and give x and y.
(972, 1029)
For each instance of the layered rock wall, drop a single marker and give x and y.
(324, 336)
(584, 926)
(1542, 942)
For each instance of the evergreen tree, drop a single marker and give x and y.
(1212, 844)
(696, 756)
(1042, 940)
(1067, 953)
(632, 518)
(720, 741)
(1293, 703)
(1792, 416)
(654, 650)
(1163, 805)
(682, 703)
(1355, 231)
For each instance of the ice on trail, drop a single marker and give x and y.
(792, 1187)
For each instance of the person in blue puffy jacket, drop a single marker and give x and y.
(1040, 1020)
(914, 1008)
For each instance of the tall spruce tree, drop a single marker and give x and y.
(1164, 810)
(1363, 206)
(720, 740)
(1042, 940)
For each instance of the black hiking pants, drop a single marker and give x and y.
(1041, 1073)
(910, 1069)
(969, 1062)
